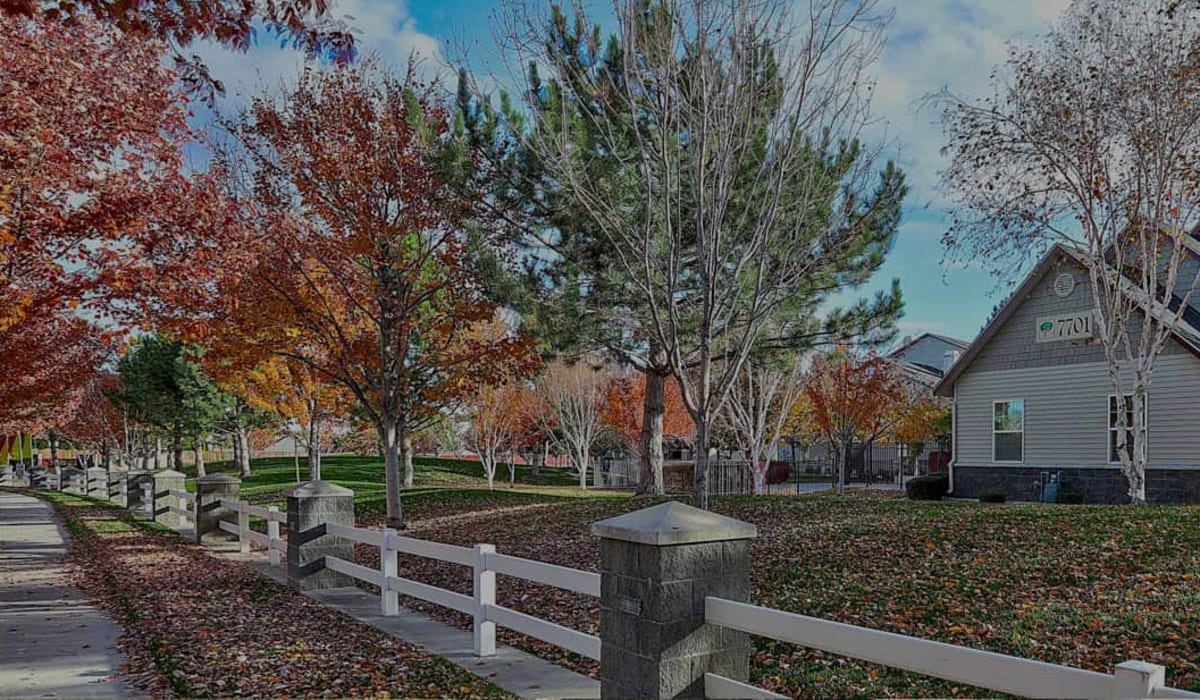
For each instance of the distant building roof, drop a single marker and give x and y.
(927, 364)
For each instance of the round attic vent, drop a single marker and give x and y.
(1064, 284)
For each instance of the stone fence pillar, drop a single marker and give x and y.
(117, 484)
(165, 482)
(133, 490)
(70, 480)
(95, 482)
(209, 511)
(310, 507)
(657, 565)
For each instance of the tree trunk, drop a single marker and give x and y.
(237, 447)
(314, 450)
(249, 452)
(242, 436)
(650, 475)
(199, 450)
(177, 447)
(406, 455)
(760, 481)
(700, 495)
(758, 472)
(389, 435)
(157, 452)
(53, 438)
(539, 457)
(244, 465)
(488, 461)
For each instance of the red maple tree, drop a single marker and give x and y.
(358, 261)
(93, 189)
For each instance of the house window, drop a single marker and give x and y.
(1008, 430)
(1113, 456)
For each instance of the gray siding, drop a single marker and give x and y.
(1014, 345)
(1066, 421)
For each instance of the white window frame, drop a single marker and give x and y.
(1007, 432)
(1109, 429)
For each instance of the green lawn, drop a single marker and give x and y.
(441, 486)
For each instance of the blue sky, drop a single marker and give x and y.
(931, 44)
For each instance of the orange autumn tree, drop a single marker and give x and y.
(494, 415)
(304, 24)
(100, 424)
(307, 402)
(850, 398)
(361, 266)
(532, 426)
(622, 412)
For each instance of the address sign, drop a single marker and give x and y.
(1068, 326)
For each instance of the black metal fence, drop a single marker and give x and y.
(867, 465)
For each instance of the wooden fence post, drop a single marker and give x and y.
(485, 595)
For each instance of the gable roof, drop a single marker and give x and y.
(1187, 333)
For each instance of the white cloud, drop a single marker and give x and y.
(385, 28)
(945, 43)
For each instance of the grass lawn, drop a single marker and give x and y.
(442, 486)
(1084, 586)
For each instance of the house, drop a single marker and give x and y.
(926, 358)
(1032, 398)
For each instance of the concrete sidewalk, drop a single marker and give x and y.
(53, 643)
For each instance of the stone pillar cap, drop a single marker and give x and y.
(317, 488)
(169, 472)
(673, 523)
(218, 479)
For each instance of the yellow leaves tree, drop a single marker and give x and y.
(307, 402)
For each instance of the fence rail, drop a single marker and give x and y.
(272, 540)
(984, 669)
(481, 605)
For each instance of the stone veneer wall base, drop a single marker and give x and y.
(1096, 484)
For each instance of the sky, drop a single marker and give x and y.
(931, 44)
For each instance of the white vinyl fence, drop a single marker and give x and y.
(983, 669)
(486, 563)
(183, 505)
(271, 541)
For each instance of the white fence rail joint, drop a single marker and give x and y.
(485, 596)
